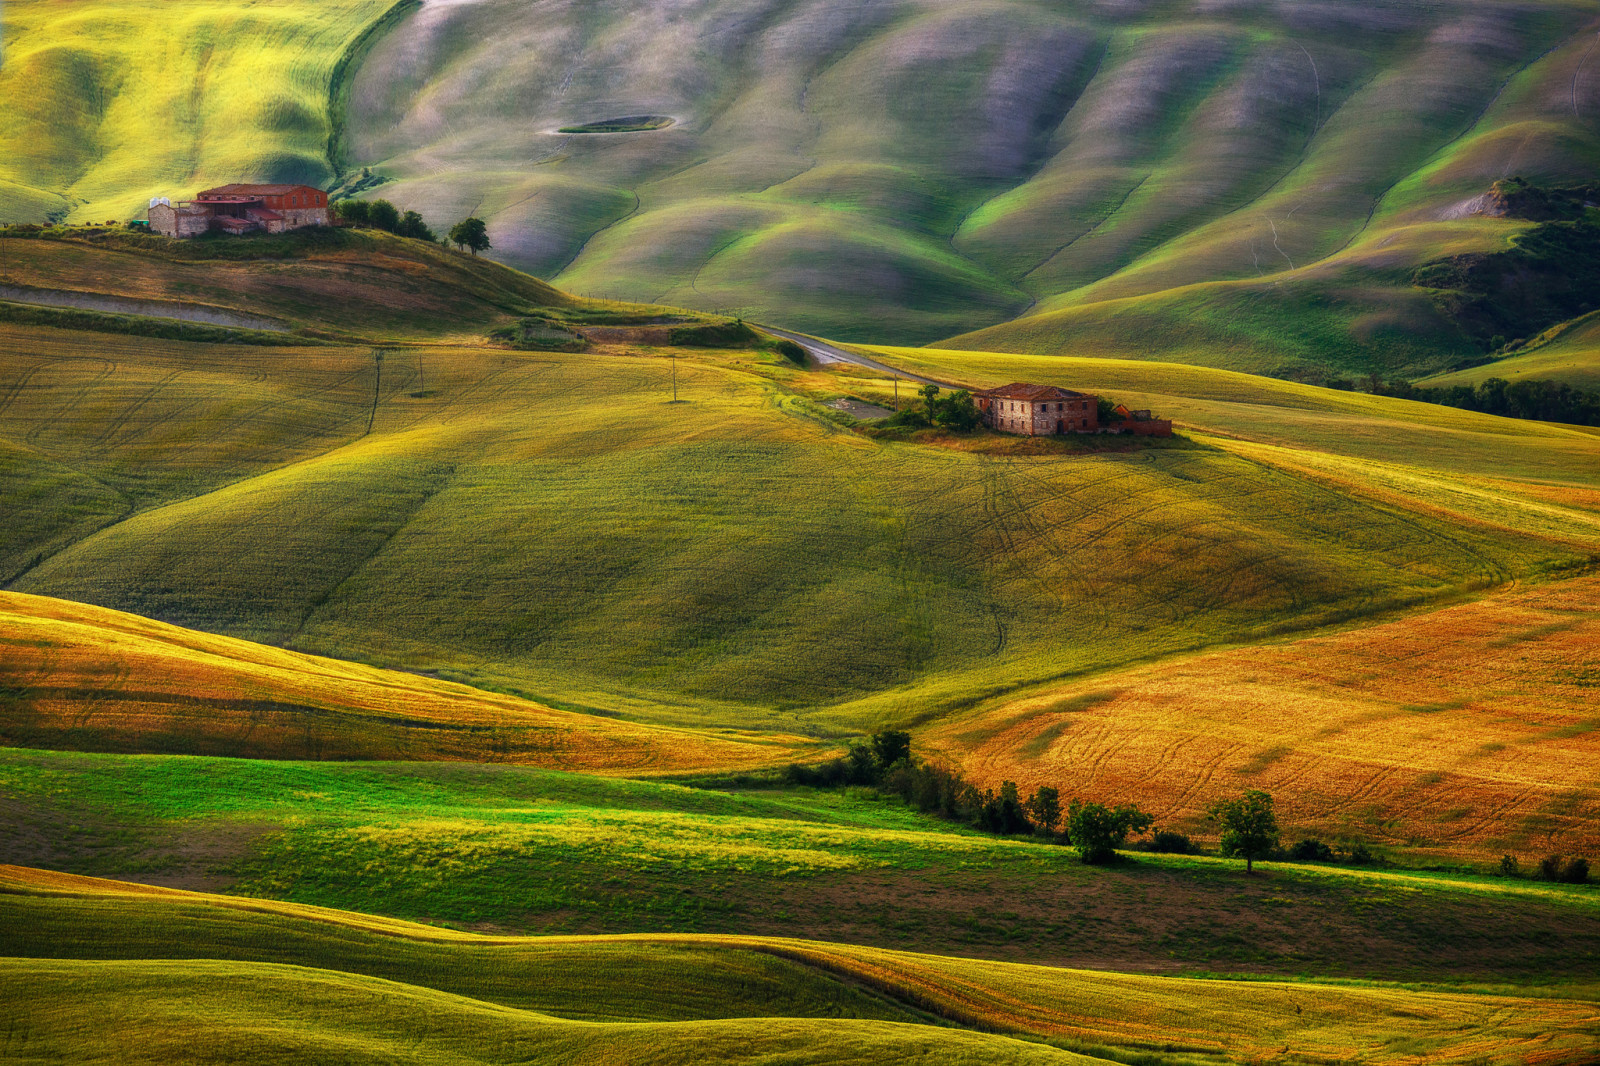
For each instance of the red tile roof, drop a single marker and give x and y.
(255, 190)
(1023, 391)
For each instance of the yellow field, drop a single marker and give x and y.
(613, 993)
(1472, 730)
(89, 678)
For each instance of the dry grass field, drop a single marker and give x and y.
(422, 990)
(86, 678)
(1468, 731)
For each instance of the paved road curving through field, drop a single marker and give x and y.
(826, 353)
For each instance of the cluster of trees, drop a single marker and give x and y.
(957, 411)
(1546, 401)
(885, 762)
(470, 234)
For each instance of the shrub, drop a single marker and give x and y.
(1166, 841)
(1311, 850)
(1550, 868)
(381, 214)
(957, 412)
(715, 335)
(1509, 867)
(1576, 871)
(790, 351)
(1361, 855)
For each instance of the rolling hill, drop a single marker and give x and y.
(547, 521)
(296, 978)
(86, 678)
(1572, 356)
(1246, 187)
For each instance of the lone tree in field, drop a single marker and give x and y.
(1249, 827)
(1097, 831)
(471, 234)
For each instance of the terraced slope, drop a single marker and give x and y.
(523, 1008)
(87, 678)
(548, 521)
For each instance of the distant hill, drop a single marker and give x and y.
(1248, 187)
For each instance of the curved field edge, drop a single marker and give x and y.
(89, 678)
(1213, 1019)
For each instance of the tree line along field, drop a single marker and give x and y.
(349, 987)
(547, 521)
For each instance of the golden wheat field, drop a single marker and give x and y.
(77, 676)
(1471, 730)
(655, 976)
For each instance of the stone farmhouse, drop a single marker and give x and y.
(1043, 410)
(1038, 410)
(240, 209)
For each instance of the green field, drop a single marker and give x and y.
(1572, 356)
(513, 849)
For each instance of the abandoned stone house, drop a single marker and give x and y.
(1038, 410)
(240, 209)
(1041, 410)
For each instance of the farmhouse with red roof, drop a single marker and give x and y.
(240, 209)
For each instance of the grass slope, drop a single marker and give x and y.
(1572, 356)
(507, 848)
(1191, 1020)
(547, 521)
(86, 678)
(110, 103)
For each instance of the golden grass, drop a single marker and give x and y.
(1472, 730)
(1197, 1020)
(87, 677)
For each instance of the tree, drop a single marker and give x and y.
(891, 746)
(411, 225)
(1106, 411)
(1004, 813)
(381, 214)
(470, 233)
(1249, 826)
(1097, 831)
(930, 400)
(1044, 806)
(354, 212)
(958, 412)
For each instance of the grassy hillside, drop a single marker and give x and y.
(548, 521)
(900, 172)
(1468, 730)
(86, 678)
(911, 170)
(517, 849)
(110, 102)
(351, 283)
